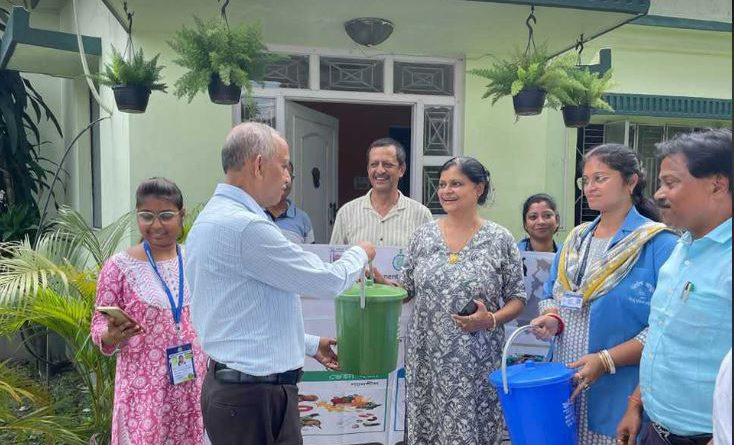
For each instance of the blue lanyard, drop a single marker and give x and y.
(174, 308)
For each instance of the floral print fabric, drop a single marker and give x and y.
(449, 399)
(147, 408)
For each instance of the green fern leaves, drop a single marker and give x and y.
(237, 54)
(138, 71)
(565, 82)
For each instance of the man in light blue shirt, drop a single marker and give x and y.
(691, 309)
(244, 277)
(294, 222)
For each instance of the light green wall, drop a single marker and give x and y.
(524, 157)
(184, 141)
(665, 61)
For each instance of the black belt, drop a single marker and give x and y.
(229, 375)
(674, 439)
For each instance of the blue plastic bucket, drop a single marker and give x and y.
(535, 399)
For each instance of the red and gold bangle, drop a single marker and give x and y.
(561, 324)
(636, 400)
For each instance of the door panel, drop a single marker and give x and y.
(313, 137)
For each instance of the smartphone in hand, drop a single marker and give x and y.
(116, 314)
(469, 309)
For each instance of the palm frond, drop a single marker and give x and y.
(24, 271)
(101, 244)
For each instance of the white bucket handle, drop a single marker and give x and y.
(506, 349)
(370, 279)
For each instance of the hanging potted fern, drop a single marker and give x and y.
(219, 59)
(132, 80)
(527, 77)
(583, 94)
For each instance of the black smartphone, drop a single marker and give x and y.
(469, 309)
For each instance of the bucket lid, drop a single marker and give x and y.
(532, 374)
(374, 292)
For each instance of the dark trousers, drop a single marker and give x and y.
(651, 437)
(250, 414)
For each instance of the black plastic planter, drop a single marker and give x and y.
(131, 98)
(529, 101)
(222, 94)
(576, 117)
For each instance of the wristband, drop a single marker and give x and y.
(635, 400)
(561, 324)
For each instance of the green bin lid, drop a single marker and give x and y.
(374, 292)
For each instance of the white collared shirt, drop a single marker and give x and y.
(357, 220)
(244, 277)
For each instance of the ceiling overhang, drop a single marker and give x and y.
(42, 51)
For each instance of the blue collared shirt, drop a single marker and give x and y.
(295, 224)
(244, 277)
(689, 334)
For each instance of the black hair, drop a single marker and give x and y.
(472, 169)
(160, 188)
(624, 160)
(386, 142)
(536, 198)
(708, 153)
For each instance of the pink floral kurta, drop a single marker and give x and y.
(148, 409)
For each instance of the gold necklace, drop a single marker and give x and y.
(454, 256)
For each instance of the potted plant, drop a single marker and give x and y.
(219, 59)
(584, 92)
(132, 81)
(526, 76)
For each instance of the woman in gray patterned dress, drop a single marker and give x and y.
(450, 263)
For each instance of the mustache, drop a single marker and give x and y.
(663, 204)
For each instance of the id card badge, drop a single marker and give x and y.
(180, 361)
(572, 300)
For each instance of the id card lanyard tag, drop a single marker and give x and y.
(572, 300)
(180, 358)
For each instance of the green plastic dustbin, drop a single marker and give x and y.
(367, 337)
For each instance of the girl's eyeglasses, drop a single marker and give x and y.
(164, 217)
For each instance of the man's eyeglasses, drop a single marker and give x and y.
(164, 217)
(595, 179)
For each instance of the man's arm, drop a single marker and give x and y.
(271, 259)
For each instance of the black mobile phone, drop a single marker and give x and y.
(469, 309)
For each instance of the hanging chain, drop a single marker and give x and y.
(129, 48)
(579, 48)
(224, 12)
(531, 38)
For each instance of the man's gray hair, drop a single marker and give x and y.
(245, 141)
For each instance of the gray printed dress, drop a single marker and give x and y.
(449, 400)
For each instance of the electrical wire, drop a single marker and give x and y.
(84, 63)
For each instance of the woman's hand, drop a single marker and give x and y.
(544, 327)
(590, 368)
(117, 333)
(380, 279)
(478, 321)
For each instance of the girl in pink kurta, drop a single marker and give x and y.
(148, 408)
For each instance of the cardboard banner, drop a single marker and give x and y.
(343, 409)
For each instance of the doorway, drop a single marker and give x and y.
(329, 142)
